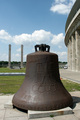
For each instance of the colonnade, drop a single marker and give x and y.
(74, 51)
(9, 60)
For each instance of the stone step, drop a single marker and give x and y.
(42, 114)
(8, 104)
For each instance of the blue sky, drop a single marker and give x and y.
(31, 22)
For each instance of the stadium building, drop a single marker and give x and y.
(72, 37)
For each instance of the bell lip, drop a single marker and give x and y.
(44, 109)
(18, 105)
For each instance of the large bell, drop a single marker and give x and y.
(42, 89)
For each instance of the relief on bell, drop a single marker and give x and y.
(44, 73)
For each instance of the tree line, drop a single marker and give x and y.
(5, 63)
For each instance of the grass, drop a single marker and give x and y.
(11, 70)
(11, 84)
(51, 115)
(71, 86)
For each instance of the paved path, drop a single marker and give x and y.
(12, 74)
(15, 114)
(70, 75)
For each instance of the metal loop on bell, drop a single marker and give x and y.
(42, 47)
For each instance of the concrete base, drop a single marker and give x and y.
(54, 113)
(42, 114)
(8, 105)
(15, 114)
(76, 107)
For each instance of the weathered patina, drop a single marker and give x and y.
(42, 89)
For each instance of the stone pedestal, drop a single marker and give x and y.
(43, 114)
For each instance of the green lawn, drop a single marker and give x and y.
(11, 84)
(11, 70)
(71, 86)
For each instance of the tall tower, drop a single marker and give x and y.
(21, 56)
(9, 59)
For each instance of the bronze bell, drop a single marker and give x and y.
(42, 89)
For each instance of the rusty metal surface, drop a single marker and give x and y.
(42, 89)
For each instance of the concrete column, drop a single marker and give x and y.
(70, 56)
(73, 53)
(21, 56)
(9, 59)
(77, 37)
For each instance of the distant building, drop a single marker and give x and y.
(72, 37)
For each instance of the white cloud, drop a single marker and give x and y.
(3, 57)
(23, 38)
(18, 50)
(5, 36)
(38, 36)
(62, 6)
(15, 57)
(59, 46)
(62, 55)
(57, 1)
(57, 39)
